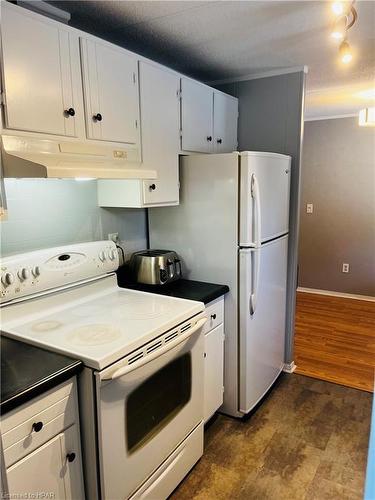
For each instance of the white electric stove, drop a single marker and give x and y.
(141, 399)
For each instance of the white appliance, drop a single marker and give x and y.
(141, 399)
(232, 227)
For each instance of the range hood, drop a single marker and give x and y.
(30, 157)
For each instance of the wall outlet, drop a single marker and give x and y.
(309, 208)
(114, 237)
(345, 268)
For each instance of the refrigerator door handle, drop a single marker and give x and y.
(256, 197)
(255, 264)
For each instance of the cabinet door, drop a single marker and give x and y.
(225, 123)
(48, 470)
(111, 93)
(38, 73)
(196, 116)
(213, 371)
(159, 98)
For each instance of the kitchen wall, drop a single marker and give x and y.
(51, 212)
(271, 119)
(338, 177)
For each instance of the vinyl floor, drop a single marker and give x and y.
(308, 440)
(335, 339)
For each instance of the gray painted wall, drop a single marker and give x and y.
(50, 212)
(338, 177)
(271, 119)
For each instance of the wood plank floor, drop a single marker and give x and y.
(335, 339)
(307, 441)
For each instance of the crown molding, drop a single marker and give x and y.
(265, 74)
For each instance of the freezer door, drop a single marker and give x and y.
(264, 193)
(262, 319)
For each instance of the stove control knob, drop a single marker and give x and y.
(113, 254)
(36, 271)
(7, 279)
(24, 274)
(102, 256)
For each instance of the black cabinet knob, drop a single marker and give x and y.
(209, 138)
(71, 457)
(152, 187)
(98, 117)
(213, 316)
(69, 112)
(37, 426)
(219, 141)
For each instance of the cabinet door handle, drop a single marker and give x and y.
(219, 141)
(152, 187)
(213, 316)
(71, 457)
(98, 117)
(69, 112)
(37, 426)
(209, 138)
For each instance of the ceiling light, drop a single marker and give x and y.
(345, 52)
(339, 28)
(367, 117)
(338, 8)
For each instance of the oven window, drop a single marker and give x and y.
(157, 400)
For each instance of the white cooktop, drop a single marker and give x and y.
(96, 322)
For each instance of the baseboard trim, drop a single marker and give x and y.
(289, 367)
(368, 298)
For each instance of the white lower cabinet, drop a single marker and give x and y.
(41, 442)
(52, 470)
(214, 359)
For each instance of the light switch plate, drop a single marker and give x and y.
(309, 208)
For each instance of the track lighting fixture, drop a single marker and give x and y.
(346, 16)
(339, 28)
(345, 52)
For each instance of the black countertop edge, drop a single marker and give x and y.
(40, 387)
(182, 288)
(28, 371)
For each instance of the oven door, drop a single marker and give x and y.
(146, 409)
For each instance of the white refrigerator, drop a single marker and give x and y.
(231, 227)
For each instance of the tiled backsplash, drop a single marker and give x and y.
(50, 212)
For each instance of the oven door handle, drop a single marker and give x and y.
(120, 372)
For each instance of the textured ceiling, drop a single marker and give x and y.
(216, 40)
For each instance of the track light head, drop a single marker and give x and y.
(345, 52)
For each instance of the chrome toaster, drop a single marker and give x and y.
(155, 267)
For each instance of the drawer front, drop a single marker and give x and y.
(36, 439)
(37, 405)
(36, 425)
(215, 314)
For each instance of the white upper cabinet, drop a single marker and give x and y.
(196, 116)
(110, 91)
(159, 95)
(41, 74)
(160, 125)
(225, 123)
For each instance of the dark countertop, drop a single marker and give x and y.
(182, 288)
(27, 371)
